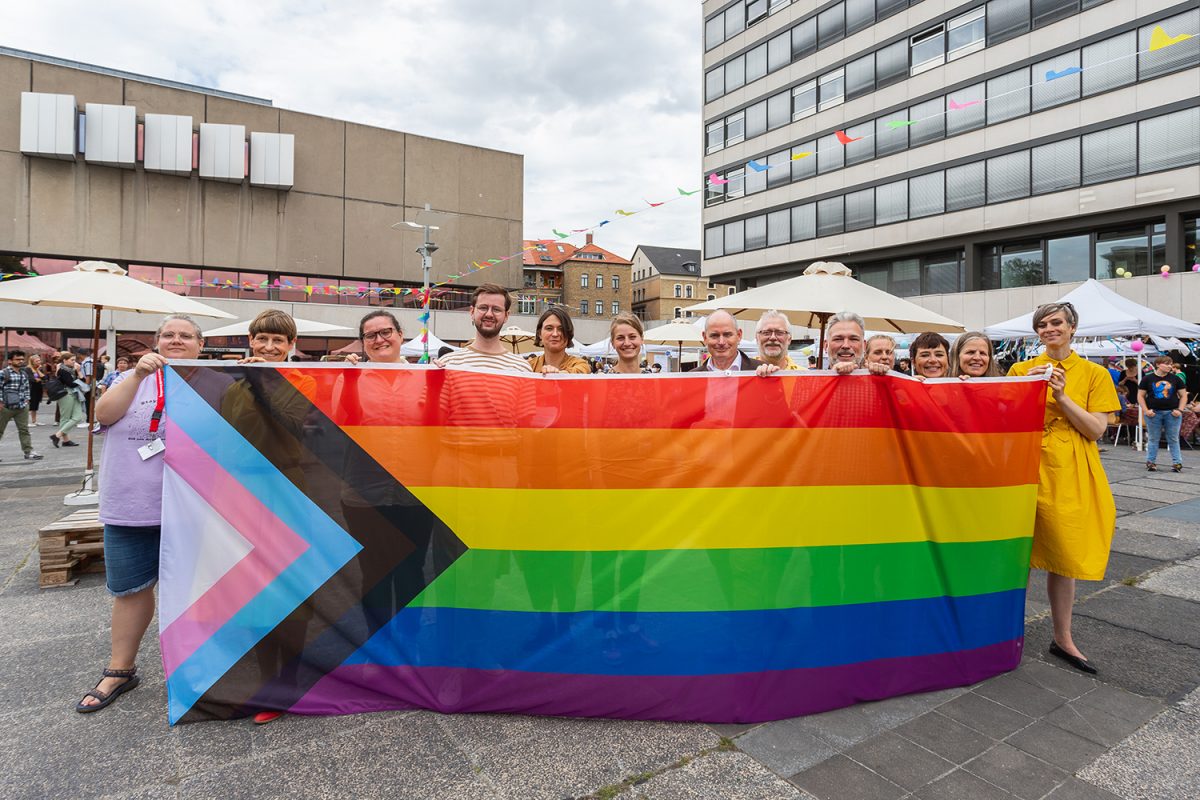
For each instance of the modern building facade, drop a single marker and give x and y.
(232, 200)
(667, 281)
(976, 157)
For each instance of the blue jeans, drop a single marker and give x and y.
(131, 558)
(1154, 429)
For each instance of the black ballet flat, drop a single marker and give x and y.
(1081, 664)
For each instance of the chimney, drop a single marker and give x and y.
(589, 239)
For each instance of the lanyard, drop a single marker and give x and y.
(159, 402)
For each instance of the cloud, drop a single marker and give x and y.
(602, 98)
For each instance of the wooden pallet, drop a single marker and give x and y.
(69, 547)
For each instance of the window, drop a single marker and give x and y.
(778, 228)
(583, 307)
(940, 274)
(712, 297)
(859, 14)
(832, 90)
(1169, 141)
(1056, 166)
(599, 308)
(926, 195)
(1016, 265)
(1008, 177)
(687, 291)
(804, 167)
(928, 49)
(1047, 11)
(1110, 154)
(965, 110)
(1048, 93)
(873, 276)
(779, 110)
(891, 63)
(737, 182)
(679, 290)
(779, 51)
(678, 312)
(965, 34)
(831, 25)
(906, 277)
(804, 222)
(1169, 59)
(616, 282)
(931, 121)
(756, 119)
(885, 8)
(1008, 96)
(1068, 259)
(830, 154)
(714, 136)
(804, 39)
(599, 281)
(616, 308)
(714, 83)
(714, 32)
(735, 128)
(1006, 19)
(860, 210)
(804, 100)
(889, 139)
(735, 74)
(1109, 64)
(891, 202)
(860, 76)
(830, 216)
(756, 236)
(525, 305)
(864, 148)
(583, 281)
(779, 173)
(965, 186)
(735, 20)
(755, 10)
(1126, 250)
(756, 63)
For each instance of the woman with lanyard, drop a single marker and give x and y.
(131, 505)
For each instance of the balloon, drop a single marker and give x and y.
(1195, 267)
(1128, 274)
(1165, 274)
(1136, 345)
(1165, 268)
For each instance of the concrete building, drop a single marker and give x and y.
(976, 157)
(667, 281)
(597, 285)
(233, 200)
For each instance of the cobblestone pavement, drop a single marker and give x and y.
(1038, 732)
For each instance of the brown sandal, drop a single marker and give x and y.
(106, 699)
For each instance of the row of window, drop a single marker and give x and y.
(599, 304)
(583, 281)
(944, 41)
(1106, 65)
(682, 291)
(1122, 151)
(834, 23)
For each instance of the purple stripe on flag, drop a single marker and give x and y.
(275, 546)
(742, 697)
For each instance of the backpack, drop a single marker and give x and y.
(54, 388)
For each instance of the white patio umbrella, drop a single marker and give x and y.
(515, 336)
(824, 289)
(304, 327)
(100, 285)
(677, 333)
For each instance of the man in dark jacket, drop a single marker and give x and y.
(721, 337)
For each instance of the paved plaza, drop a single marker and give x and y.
(1039, 732)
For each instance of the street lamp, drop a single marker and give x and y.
(426, 219)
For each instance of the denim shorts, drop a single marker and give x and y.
(131, 558)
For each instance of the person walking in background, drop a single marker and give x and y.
(70, 402)
(106, 382)
(33, 370)
(1163, 398)
(14, 401)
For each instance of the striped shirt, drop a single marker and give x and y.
(498, 362)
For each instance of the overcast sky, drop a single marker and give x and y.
(602, 97)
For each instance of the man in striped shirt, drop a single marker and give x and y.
(490, 304)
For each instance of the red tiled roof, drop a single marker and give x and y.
(557, 252)
(608, 258)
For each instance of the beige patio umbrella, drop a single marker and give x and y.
(515, 336)
(677, 333)
(304, 327)
(100, 285)
(824, 289)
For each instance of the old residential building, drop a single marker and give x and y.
(542, 283)
(667, 280)
(597, 283)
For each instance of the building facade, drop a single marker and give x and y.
(597, 284)
(232, 200)
(542, 284)
(667, 281)
(972, 156)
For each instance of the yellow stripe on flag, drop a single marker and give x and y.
(777, 516)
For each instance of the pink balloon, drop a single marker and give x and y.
(1165, 274)
(1136, 345)
(1195, 267)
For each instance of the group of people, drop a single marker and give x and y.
(1075, 509)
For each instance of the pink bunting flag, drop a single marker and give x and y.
(956, 106)
(713, 180)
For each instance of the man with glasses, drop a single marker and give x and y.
(14, 401)
(490, 304)
(773, 334)
(721, 337)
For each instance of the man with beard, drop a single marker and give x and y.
(490, 305)
(773, 334)
(844, 341)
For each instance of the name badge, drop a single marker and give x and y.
(152, 449)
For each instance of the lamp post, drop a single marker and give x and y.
(425, 222)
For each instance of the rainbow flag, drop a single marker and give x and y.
(726, 549)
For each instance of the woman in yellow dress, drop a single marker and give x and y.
(1075, 510)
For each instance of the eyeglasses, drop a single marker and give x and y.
(772, 333)
(183, 337)
(497, 310)
(385, 333)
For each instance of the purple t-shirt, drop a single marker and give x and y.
(130, 488)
